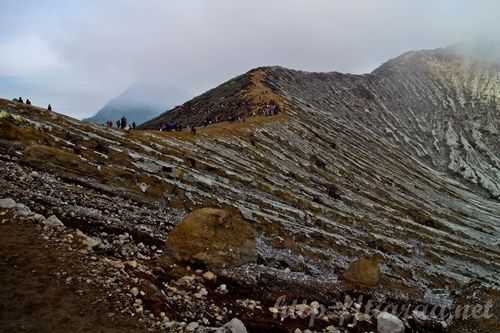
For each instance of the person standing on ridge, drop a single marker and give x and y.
(49, 107)
(133, 125)
(28, 102)
(20, 100)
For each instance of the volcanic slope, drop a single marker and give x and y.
(400, 165)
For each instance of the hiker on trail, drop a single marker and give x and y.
(28, 101)
(20, 100)
(123, 122)
(49, 107)
(193, 130)
(133, 125)
(118, 124)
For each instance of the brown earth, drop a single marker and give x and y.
(35, 298)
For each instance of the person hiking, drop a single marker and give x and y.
(49, 107)
(20, 100)
(28, 102)
(117, 124)
(133, 125)
(123, 124)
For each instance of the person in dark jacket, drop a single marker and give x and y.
(133, 125)
(49, 107)
(28, 101)
(20, 100)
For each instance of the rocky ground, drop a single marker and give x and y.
(319, 218)
(57, 278)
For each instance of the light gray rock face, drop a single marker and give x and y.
(389, 323)
(7, 203)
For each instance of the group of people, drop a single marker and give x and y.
(28, 102)
(269, 108)
(122, 124)
(167, 127)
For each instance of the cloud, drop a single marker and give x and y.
(90, 51)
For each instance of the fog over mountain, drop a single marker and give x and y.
(89, 51)
(141, 101)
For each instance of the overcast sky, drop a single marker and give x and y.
(78, 54)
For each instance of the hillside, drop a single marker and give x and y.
(384, 185)
(140, 102)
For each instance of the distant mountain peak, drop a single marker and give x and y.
(141, 101)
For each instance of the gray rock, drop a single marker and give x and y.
(7, 203)
(389, 323)
(234, 326)
(191, 327)
(22, 211)
(53, 222)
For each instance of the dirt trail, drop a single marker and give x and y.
(33, 298)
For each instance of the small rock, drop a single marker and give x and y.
(143, 186)
(7, 203)
(209, 276)
(273, 310)
(131, 263)
(37, 217)
(22, 210)
(389, 323)
(191, 327)
(134, 291)
(85, 241)
(234, 326)
(359, 316)
(53, 222)
(222, 289)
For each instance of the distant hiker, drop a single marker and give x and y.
(123, 122)
(133, 125)
(49, 107)
(193, 130)
(28, 101)
(117, 124)
(20, 100)
(14, 100)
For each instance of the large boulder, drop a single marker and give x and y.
(363, 273)
(214, 238)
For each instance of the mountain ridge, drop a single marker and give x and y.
(398, 168)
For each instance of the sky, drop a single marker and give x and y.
(79, 54)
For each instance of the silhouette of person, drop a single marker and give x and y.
(49, 107)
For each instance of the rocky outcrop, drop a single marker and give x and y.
(363, 272)
(214, 238)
